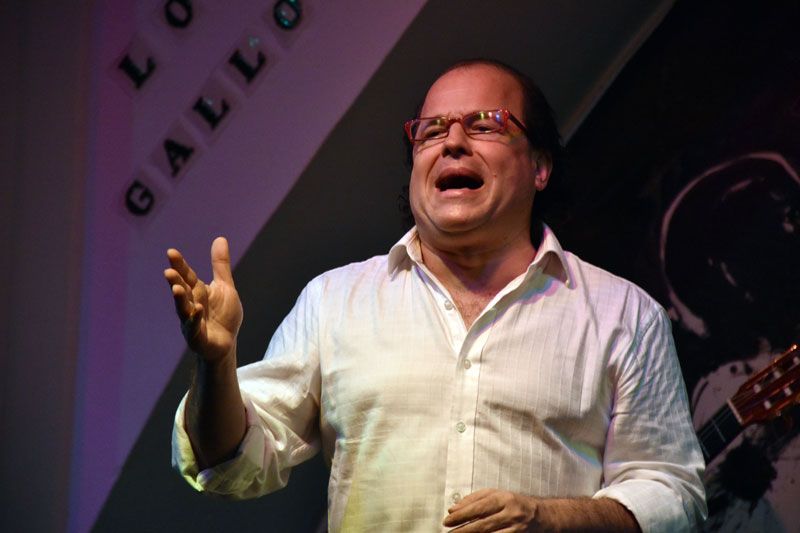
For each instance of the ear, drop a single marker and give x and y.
(542, 166)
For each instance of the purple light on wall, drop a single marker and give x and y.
(236, 164)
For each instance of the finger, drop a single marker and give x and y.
(174, 278)
(221, 260)
(470, 512)
(474, 506)
(184, 306)
(191, 326)
(184, 296)
(177, 262)
(461, 528)
(471, 498)
(480, 525)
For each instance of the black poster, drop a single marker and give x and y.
(686, 180)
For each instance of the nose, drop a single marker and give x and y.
(457, 140)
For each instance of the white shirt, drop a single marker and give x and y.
(566, 385)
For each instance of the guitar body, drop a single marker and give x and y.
(753, 477)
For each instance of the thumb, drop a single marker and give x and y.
(221, 260)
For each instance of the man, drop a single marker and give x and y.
(477, 376)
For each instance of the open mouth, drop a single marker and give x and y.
(459, 181)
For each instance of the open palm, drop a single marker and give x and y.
(210, 314)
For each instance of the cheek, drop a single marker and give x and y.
(414, 194)
(419, 173)
(500, 158)
(421, 162)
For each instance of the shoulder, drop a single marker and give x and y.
(613, 294)
(351, 276)
(636, 327)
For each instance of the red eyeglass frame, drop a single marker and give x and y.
(449, 121)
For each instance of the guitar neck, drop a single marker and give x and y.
(764, 396)
(718, 432)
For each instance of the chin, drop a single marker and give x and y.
(459, 229)
(454, 222)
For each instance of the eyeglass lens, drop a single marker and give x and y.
(477, 123)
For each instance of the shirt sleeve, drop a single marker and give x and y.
(652, 462)
(281, 394)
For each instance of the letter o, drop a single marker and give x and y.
(178, 20)
(288, 13)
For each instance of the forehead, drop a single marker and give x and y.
(472, 88)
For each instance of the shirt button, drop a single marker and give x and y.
(456, 497)
(467, 364)
(448, 305)
(461, 427)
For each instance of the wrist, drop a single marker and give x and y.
(218, 366)
(546, 516)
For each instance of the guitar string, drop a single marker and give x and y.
(716, 420)
(707, 431)
(716, 423)
(716, 427)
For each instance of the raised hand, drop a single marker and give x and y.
(210, 314)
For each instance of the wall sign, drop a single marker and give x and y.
(205, 116)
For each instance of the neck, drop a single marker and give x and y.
(477, 269)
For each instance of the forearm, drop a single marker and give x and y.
(215, 415)
(495, 510)
(585, 515)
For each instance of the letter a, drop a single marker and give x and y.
(177, 154)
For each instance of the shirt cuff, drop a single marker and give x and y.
(231, 478)
(655, 506)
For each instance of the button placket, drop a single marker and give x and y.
(460, 446)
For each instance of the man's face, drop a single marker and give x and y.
(474, 189)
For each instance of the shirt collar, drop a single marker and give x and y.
(405, 251)
(550, 257)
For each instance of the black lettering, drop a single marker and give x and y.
(181, 17)
(177, 154)
(205, 107)
(246, 69)
(288, 13)
(139, 199)
(137, 76)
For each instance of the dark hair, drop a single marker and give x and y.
(537, 115)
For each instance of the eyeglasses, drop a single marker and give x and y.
(475, 124)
